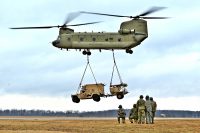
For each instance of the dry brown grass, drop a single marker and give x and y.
(35, 125)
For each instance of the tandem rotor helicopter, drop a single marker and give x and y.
(130, 34)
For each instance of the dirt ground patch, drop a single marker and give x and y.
(91, 125)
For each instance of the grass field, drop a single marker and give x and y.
(92, 125)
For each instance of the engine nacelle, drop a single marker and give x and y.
(126, 31)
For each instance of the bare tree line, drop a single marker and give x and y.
(106, 113)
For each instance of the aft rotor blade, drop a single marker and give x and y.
(151, 10)
(154, 17)
(71, 16)
(84, 23)
(37, 27)
(104, 14)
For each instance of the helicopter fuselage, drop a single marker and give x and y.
(131, 34)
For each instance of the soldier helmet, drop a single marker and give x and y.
(151, 98)
(141, 96)
(147, 97)
(120, 106)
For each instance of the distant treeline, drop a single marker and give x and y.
(106, 113)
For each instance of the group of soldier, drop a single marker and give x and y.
(141, 111)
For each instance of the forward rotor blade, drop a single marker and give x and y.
(70, 17)
(38, 27)
(151, 10)
(84, 23)
(58, 26)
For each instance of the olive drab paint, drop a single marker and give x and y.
(130, 34)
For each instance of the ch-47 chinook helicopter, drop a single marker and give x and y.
(130, 34)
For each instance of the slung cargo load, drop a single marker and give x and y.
(96, 90)
(89, 91)
(118, 90)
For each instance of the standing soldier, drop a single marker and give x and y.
(141, 110)
(148, 110)
(133, 114)
(154, 106)
(121, 114)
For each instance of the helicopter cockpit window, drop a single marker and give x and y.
(93, 39)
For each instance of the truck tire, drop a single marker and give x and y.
(120, 95)
(96, 97)
(75, 99)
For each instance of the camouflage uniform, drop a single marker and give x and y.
(133, 114)
(154, 106)
(141, 110)
(148, 113)
(121, 114)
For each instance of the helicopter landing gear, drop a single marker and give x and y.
(86, 52)
(129, 51)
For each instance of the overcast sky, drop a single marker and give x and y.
(36, 75)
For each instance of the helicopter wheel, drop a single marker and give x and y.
(84, 52)
(88, 53)
(129, 51)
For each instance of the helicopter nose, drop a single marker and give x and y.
(55, 42)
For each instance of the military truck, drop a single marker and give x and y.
(118, 90)
(96, 91)
(89, 91)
